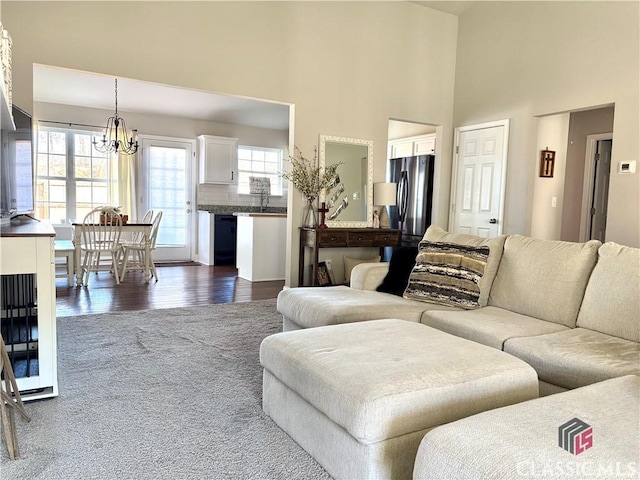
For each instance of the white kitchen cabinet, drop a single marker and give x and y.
(28, 306)
(205, 238)
(426, 145)
(218, 159)
(411, 146)
(261, 246)
(401, 149)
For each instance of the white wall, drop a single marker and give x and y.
(521, 60)
(546, 218)
(346, 66)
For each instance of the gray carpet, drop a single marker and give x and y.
(160, 394)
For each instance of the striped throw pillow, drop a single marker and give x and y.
(447, 274)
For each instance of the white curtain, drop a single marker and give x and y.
(123, 188)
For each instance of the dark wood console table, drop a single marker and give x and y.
(317, 238)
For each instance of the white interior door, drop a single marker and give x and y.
(479, 179)
(166, 184)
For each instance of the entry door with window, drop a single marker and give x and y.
(479, 179)
(166, 184)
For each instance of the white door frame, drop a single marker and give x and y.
(456, 158)
(191, 185)
(588, 181)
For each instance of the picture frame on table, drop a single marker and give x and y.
(322, 275)
(332, 277)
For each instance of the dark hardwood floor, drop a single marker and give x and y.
(179, 286)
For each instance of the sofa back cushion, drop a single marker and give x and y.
(611, 302)
(544, 279)
(447, 274)
(436, 234)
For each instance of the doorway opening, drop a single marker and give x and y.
(413, 150)
(585, 186)
(595, 194)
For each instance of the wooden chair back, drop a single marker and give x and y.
(98, 236)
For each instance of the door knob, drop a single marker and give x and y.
(493, 220)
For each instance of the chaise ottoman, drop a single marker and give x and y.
(359, 397)
(589, 432)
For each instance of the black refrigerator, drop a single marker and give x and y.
(412, 212)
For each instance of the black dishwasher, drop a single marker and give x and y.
(224, 239)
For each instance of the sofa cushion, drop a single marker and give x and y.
(436, 234)
(577, 357)
(490, 326)
(367, 276)
(350, 263)
(611, 301)
(447, 274)
(545, 279)
(521, 441)
(400, 266)
(311, 307)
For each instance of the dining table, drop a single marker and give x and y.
(130, 229)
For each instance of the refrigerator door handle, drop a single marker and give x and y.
(404, 196)
(399, 197)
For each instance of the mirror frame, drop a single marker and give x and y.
(368, 222)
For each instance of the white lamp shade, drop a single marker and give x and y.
(384, 193)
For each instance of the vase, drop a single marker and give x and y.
(310, 217)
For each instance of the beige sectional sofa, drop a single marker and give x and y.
(570, 310)
(373, 384)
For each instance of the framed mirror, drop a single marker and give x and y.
(350, 200)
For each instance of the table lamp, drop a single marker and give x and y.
(384, 194)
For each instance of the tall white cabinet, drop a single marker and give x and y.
(218, 158)
(28, 306)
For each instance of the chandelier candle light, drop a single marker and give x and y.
(114, 137)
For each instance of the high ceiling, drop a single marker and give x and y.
(92, 90)
(452, 6)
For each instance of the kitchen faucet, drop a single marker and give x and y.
(264, 200)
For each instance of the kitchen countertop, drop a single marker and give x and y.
(232, 209)
(260, 214)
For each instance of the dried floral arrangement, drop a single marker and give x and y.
(308, 177)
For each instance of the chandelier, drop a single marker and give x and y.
(114, 137)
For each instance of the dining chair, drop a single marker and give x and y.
(99, 239)
(64, 249)
(148, 218)
(134, 238)
(133, 254)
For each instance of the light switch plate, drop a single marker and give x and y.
(627, 166)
